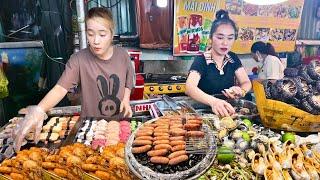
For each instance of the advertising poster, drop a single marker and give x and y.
(277, 24)
(192, 23)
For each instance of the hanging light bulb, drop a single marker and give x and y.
(264, 2)
(162, 3)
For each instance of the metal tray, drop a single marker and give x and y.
(181, 106)
(143, 172)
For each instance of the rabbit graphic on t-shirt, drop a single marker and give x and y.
(109, 104)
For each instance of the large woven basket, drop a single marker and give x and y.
(279, 115)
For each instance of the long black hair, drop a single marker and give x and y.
(263, 48)
(222, 17)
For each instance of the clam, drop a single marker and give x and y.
(270, 160)
(222, 133)
(261, 148)
(228, 142)
(272, 174)
(305, 150)
(298, 170)
(242, 144)
(250, 154)
(312, 171)
(274, 148)
(236, 134)
(228, 122)
(257, 164)
(286, 157)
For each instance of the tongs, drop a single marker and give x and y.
(171, 103)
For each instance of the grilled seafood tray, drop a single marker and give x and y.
(176, 148)
(55, 132)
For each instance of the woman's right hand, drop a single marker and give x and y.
(33, 121)
(222, 108)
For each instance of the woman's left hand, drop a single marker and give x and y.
(233, 92)
(126, 108)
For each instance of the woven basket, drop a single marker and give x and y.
(279, 115)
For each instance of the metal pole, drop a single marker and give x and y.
(81, 22)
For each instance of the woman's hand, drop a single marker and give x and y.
(126, 108)
(222, 108)
(233, 92)
(33, 121)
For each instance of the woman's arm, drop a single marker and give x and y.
(126, 96)
(194, 92)
(125, 103)
(54, 96)
(243, 79)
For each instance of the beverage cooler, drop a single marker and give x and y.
(23, 62)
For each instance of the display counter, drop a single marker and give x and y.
(146, 146)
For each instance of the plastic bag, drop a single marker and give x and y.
(4, 92)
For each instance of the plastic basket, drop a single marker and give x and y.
(279, 115)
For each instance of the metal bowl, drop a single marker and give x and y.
(144, 172)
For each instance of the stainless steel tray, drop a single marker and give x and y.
(144, 172)
(181, 107)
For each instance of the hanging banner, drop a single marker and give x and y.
(192, 23)
(277, 24)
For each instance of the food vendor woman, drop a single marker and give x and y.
(105, 72)
(218, 71)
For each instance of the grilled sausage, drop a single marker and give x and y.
(161, 131)
(178, 159)
(138, 142)
(174, 143)
(176, 126)
(161, 142)
(141, 149)
(176, 138)
(162, 146)
(195, 134)
(144, 138)
(159, 152)
(177, 132)
(178, 147)
(161, 134)
(176, 154)
(159, 160)
(138, 134)
(192, 127)
(194, 121)
(161, 138)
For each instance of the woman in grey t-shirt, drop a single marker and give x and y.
(103, 71)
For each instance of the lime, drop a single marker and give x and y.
(246, 136)
(225, 155)
(247, 122)
(288, 136)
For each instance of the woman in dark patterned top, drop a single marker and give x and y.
(218, 70)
